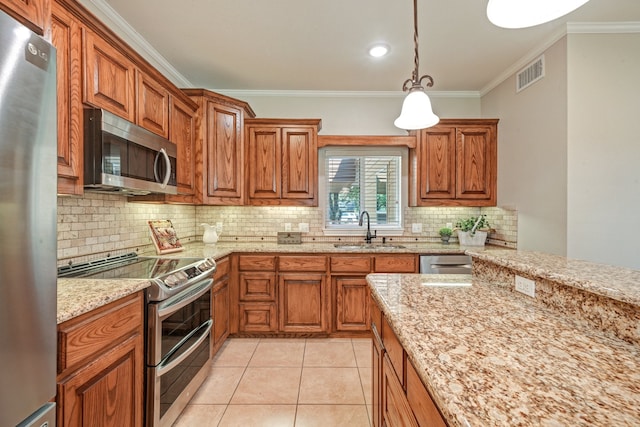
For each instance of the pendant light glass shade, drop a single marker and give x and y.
(527, 13)
(416, 111)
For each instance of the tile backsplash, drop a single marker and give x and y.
(97, 225)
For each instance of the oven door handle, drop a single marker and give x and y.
(176, 302)
(165, 367)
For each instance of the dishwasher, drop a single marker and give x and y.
(445, 264)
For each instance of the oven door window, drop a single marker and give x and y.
(174, 381)
(179, 325)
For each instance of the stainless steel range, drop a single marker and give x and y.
(178, 329)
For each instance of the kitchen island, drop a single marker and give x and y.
(489, 356)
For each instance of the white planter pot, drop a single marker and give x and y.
(466, 239)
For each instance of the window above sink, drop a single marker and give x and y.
(356, 179)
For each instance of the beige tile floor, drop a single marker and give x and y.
(285, 382)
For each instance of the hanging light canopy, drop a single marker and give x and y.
(416, 109)
(527, 13)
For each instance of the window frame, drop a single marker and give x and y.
(363, 151)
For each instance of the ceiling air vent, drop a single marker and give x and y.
(530, 74)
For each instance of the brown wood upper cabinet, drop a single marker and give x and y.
(455, 164)
(153, 105)
(282, 157)
(109, 80)
(32, 13)
(219, 147)
(183, 134)
(66, 36)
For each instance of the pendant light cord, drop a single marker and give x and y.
(414, 81)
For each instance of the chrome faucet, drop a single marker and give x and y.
(368, 236)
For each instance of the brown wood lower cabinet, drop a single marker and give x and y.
(351, 303)
(220, 304)
(303, 302)
(257, 317)
(395, 406)
(101, 366)
(399, 398)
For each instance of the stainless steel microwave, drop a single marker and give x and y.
(121, 157)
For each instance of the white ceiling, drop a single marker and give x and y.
(321, 45)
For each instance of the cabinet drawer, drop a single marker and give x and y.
(222, 268)
(394, 350)
(258, 317)
(351, 264)
(302, 263)
(257, 263)
(420, 401)
(257, 286)
(91, 334)
(395, 264)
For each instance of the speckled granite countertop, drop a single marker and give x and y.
(225, 248)
(79, 296)
(618, 283)
(492, 357)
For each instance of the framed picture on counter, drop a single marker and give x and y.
(164, 236)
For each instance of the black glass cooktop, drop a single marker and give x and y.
(127, 266)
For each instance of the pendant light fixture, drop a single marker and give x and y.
(416, 109)
(527, 13)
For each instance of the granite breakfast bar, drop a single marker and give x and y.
(489, 356)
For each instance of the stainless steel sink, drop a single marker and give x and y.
(365, 246)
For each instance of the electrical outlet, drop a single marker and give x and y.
(526, 286)
(449, 225)
(416, 227)
(303, 227)
(287, 226)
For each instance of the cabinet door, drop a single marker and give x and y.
(66, 36)
(106, 392)
(303, 303)
(438, 161)
(224, 155)
(220, 311)
(109, 77)
(352, 303)
(475, 163)
(182, 133)
(152, 112)
(33, 13)
(264, 163)
(299, 164)
(395, 407)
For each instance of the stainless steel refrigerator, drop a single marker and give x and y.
(28, 161)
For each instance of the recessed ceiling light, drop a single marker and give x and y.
(379, 50)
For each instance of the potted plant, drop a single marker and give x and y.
(473, 231)
(445, 234)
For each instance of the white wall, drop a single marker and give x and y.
(532, 153)
(353, 115)
(604, 148)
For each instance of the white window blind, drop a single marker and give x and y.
(364, 179)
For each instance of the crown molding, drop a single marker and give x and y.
(570, 28)
(122, 28)
(603, 27)
(237, 93)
